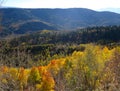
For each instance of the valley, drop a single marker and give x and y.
(73, 49)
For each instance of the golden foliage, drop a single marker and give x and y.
(87, 68)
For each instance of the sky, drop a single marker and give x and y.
(90, 4)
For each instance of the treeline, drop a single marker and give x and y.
(100, 35)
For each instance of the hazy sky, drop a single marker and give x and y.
(91, 4)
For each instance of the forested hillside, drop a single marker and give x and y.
(100, 35)
(20, 21)
(45, 44)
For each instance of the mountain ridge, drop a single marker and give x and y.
(115, 10)
(55, 19)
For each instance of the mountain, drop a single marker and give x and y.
(21, 21)
(117, 10)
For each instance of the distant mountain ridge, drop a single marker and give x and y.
(21, 21)
(116, 10)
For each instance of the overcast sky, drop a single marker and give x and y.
(91, 4)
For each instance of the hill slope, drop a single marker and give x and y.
(26, 20)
